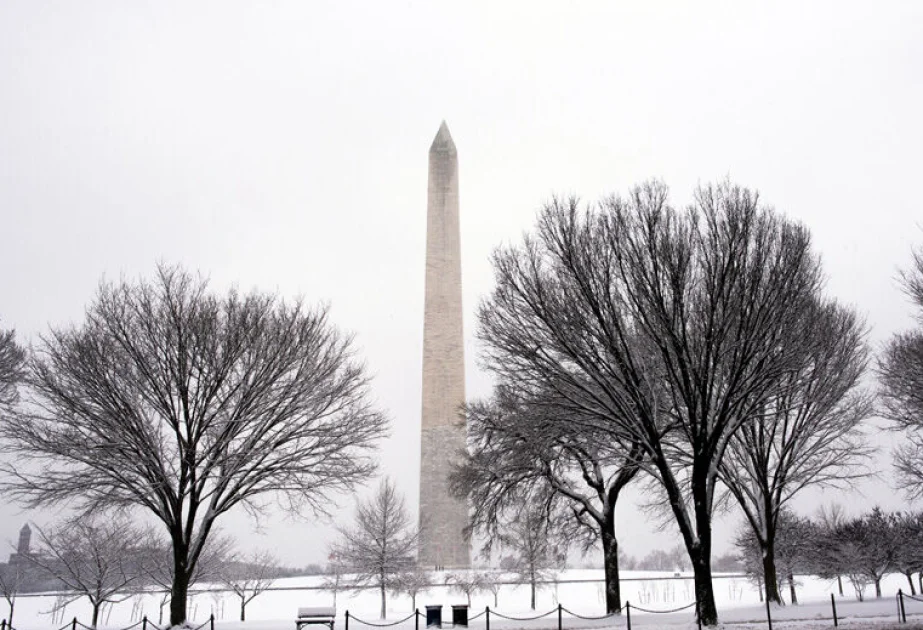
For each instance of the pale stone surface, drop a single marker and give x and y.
(443, 433)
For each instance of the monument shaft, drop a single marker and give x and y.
(442, 517)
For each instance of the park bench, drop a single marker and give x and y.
(319, 614)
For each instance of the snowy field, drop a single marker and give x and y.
(737, 599)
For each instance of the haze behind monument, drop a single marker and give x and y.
(286, 148)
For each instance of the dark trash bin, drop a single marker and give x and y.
(460, 615)
(434, 616)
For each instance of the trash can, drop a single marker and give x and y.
(434, 616)
(460, 615)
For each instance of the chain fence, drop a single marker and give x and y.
(433, 617)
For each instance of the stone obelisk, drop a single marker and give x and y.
(442, 517)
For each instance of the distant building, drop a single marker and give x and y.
(23, 549)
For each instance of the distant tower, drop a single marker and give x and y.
(25, 539)
(443, 433)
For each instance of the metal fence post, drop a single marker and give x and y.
(833, 605)
(768, 614)
(144, 623)
(74, 624)
(559, 616)
(900, 595)
(416, 618)
(3, 625)
(347, 620)
(487, 617)
(628, 614)
(211, 621)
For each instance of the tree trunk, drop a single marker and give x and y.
(770, 578)
(704, 593)
(383, 602)
(95, 619)
(611, 565)
(532, 584)
(700, 551)
(10, 620)
(878, 588)
(839, 581)
(243, 609)
(759, 587)
(913, 589)
(791, 587)
(179, 591)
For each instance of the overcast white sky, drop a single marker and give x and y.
(283, 145)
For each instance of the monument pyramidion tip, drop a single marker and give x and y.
(443, 140)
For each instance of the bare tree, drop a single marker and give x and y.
(808, 432)
(870, 546)
(668, 326)
(825, 558)
(93, 558)
(13, 579)
(12, 362)
(188, 405)
(411, 581)
(862, 548)
(249, 576)
(748, 552)
(492, 582)
(333, 576)
(381, 543)
(794, 546)
(521, 443)
(537, 545)
(465, 582)
(900, 374)
(908, 536)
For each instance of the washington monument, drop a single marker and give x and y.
(442, 517)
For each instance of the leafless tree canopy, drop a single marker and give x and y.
(12, 361)
(808, 431)
(94, 558)
(187, 404)
(381, 543)
(900, 373)
(670, 326)
(524, 443)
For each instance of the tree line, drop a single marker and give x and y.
(859, 549)
(106, 561)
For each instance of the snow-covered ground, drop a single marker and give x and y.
(737, 600)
